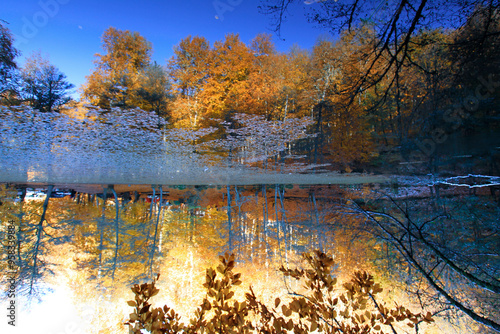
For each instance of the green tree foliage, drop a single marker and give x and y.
(352, 308)
(43, 85)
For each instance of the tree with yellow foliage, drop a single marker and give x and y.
(188, 72)
(263, 79)
(117, 74)
(229, 67)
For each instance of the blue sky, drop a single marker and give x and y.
(69, 31)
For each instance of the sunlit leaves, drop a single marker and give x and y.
(303, 314)
(229, 67)
(188, 72)
(115, 78)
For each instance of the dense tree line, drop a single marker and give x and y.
(398, 92)
(439, 89)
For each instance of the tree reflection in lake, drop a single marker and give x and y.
(437, 252)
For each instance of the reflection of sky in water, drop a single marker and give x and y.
(42, 317)
(54, 313)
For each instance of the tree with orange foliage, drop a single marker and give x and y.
(264, 78)
(293, 84)
(341, 126)
(115, 78)
(188, 72)
(227, 83)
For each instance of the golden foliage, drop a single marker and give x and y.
(354, 308)
(117, 73)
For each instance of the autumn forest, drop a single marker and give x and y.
(371, 108)
(349, 187)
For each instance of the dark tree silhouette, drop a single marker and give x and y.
(43, 85)
(393, 25)
(7, 64)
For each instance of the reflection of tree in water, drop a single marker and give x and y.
(34, 236)
(444, 248)
(40, 229)
(410, 243)
(34, 257)
(113, 242)
(261, 225)
(123, 240)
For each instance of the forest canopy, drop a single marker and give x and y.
(399, 92)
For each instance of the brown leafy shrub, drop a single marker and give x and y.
(325, 308)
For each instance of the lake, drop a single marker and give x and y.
(86, 214)
(86, 253)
